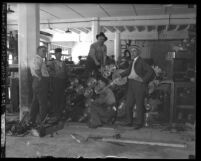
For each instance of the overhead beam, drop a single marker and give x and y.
(82, 30)
(126, 28)
(74, 10)
(177, 26)
(50, 13)
(74, 30)
(109, 28)
(119, 28)
(166, 27)
(103, 9)
(134, 9)
(155, 20)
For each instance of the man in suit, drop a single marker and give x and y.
(139, 75)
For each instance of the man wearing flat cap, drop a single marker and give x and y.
(139, 75)
(58, 84)
(97, 54)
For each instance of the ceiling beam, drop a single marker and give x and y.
(50, 13)
(66, 5)
(82, 29)
(134, 9)
(126, 28)
(103, 9)
(102, 29)
(74, 30)
(166, 27)
(119, 28)
(109, 28)
(187, 27)
(140, 28)
(177, 26)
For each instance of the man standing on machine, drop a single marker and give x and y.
(97, 55)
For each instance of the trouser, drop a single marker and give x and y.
(58, 96)
(135, 96)
(101, 114)
(40, 98)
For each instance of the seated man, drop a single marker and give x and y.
(102, 110)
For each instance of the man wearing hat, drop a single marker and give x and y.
(97, 54)
(58, 84)
(139, 75)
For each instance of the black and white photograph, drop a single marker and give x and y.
(99, 80)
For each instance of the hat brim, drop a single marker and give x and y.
(101, 35)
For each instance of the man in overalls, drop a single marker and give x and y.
(58, 84)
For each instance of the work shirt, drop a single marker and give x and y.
(59, 67)
(37, 64)
(98, 51)
(133, 74)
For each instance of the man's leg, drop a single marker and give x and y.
(34, 109)
(130, 101)
(140, 91)
(61, 97)
(35, 104)
(42, 98)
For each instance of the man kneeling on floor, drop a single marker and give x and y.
(102, 110)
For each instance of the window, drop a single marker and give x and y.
(10, 59)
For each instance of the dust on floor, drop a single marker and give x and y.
(63, 145)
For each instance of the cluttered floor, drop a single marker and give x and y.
(77, 140)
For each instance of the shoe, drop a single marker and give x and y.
(136, 127)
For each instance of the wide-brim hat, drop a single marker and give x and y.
(101, 34)
(135, 47)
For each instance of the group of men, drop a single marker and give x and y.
(139, 74)
(47, 75)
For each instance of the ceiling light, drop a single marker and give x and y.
(68, 31)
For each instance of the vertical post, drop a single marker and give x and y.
(117, 44)
(95, 28)
(28, 41)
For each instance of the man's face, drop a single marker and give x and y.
(58, 55)
(43, 52)
(134, 53)
(101, 39)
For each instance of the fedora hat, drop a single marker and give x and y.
(101, 34)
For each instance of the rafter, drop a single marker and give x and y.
(74, 10)
(82, 29)
(109, 28)
(74, 30)
(102, 8)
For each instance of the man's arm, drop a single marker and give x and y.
(127, 71)
(92, 54)
(36, 67)
(104, 56)
(150, 74)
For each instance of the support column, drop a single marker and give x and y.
(28, 41)
(117, 45)
(95, 28)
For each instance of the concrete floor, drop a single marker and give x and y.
(63, 145)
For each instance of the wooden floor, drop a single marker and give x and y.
(63, 145)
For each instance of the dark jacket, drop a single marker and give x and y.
(142, 69)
